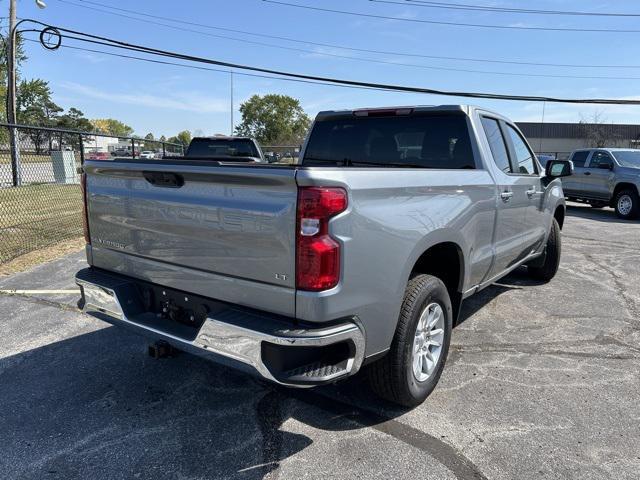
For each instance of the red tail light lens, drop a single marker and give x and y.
(85, 218)
(317, 253)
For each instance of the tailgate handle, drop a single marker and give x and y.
(164, 179)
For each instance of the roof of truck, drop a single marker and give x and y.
(467, 109)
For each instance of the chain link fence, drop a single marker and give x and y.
(40, 194)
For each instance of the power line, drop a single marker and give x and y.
(86, 37)
(455, 24)
(487, 8)
(378, 61)
(195, 67)
(321, 44)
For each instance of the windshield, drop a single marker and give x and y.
(434, 141)
(213, 147)
(628, 158)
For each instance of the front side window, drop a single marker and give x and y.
(496, 143)
(525, 164)
(600, 158)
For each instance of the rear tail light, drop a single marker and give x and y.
(85, 213)
(317, 252)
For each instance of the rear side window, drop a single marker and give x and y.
(212, 147)
(580, 158)
(600, 158)
(433, 141)
(525, 164)
(496, 143)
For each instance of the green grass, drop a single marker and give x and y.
(36, 216)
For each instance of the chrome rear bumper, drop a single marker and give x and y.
(259, 343)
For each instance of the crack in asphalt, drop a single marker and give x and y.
(41, 301)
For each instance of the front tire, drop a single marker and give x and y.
(627, 204)
(412, 367)
(546, 270)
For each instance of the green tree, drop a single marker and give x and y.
(111, 126)
(34, 106)
(183, 138)
(74, 119)
(150, 144)
(273, 119)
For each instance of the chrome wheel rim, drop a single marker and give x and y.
(625, 204)
(427, 342)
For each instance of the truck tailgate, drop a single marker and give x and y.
(225, 232)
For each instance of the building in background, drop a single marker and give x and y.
(559, 139)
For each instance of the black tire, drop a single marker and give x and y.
(392, 376)
(632, 196)
(547, 268)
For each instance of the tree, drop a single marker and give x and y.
(273, 119)
(111, 126)
(150, 144)
(597, 132)
(34, 106)
(74, 119)
(183, 138)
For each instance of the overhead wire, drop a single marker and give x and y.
(147, 15)
(496, 9)
(96, 39)
(454, 24)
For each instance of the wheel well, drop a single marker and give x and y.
(622, 186)
(445, 261)
(559, 215)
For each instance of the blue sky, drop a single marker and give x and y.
(164, 99)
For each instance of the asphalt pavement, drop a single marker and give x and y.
(542, 382)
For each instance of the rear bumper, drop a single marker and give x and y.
(270, 346)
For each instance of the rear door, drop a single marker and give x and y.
(511, 231)
(598, 175)
(529, 185)
(574, 184)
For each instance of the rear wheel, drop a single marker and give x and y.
(412, 368)
(546, 268)
(627, 204)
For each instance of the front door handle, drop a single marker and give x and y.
(531, 192)
(587, 173)
(506, 196)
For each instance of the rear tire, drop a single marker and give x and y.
(400, 376)
(627, 204)
(547, 269)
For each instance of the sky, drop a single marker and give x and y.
(165, 99)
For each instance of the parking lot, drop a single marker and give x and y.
(542, 381)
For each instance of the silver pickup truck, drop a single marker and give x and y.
(359, 255)
(606, 177)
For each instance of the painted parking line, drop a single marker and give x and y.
(39, 292)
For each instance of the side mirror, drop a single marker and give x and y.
(559, 168)
(606, 166)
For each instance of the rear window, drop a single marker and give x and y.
(434, 141)
(579, 158)
(211, 147)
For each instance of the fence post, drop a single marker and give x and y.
(164, 150)
(133, 148)
(16, 168)
(81, 150)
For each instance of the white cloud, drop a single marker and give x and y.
(188, 101)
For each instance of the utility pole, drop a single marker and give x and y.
(11, 105)
(231, 73)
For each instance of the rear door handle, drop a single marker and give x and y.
(587, 173)
(506, 196)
